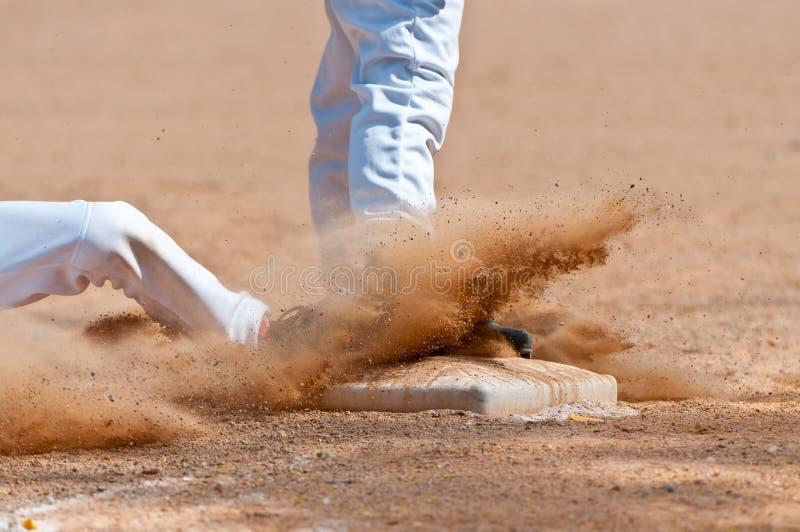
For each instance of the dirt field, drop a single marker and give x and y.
(197, 114)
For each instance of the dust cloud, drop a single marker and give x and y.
(128, 381)
(565, 337)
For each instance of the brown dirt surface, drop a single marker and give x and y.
(197, 114)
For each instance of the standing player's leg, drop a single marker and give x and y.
(60, 248)
(406, 54)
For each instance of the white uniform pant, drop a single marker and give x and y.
(381, 102)
(60, 248)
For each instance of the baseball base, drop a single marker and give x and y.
(491, 386)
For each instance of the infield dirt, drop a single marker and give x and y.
(197, 114)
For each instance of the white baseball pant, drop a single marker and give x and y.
(49, 248)
(381, 102)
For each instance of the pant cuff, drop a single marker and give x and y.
(246, 320)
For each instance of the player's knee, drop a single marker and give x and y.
(113, 224)
(427, 105)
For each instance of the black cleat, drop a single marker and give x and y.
(519, 339)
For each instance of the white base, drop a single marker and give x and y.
(492, 386)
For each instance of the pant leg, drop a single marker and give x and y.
(333, 105)
(38, 241)
(406, 54)
(60, 248)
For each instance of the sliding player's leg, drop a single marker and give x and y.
(60, 248)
